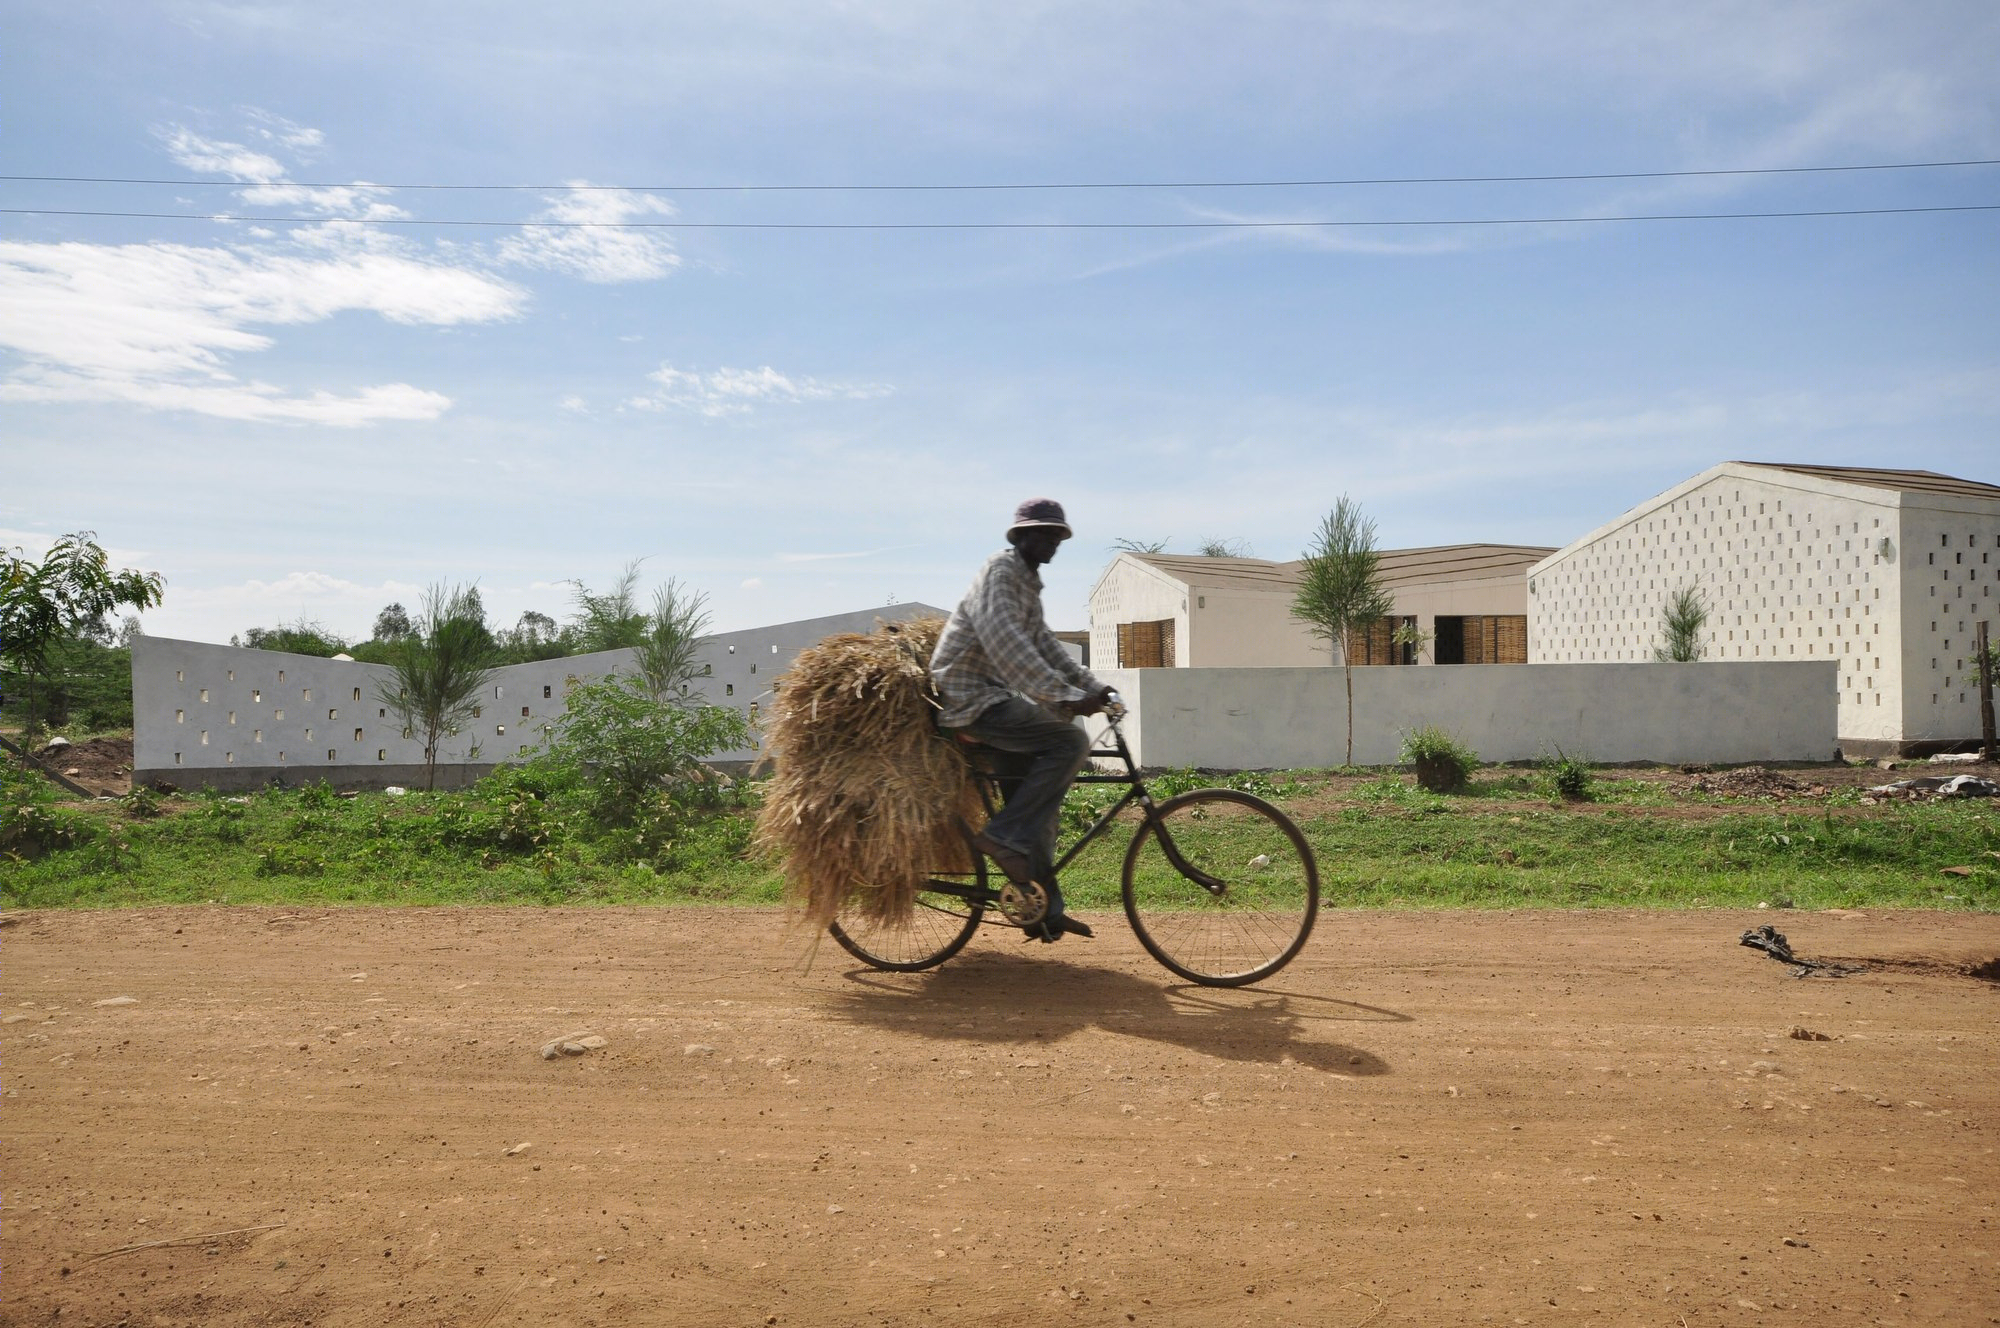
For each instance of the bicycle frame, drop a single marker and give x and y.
(1136, 792)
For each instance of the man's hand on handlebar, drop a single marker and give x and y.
(1093, 703)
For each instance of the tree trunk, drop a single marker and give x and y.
(1348, 669)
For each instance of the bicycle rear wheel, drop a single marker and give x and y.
(938, 926)
(1221, 887)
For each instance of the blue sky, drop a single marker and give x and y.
(313, 420)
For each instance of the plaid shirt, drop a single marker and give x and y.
(998, 645)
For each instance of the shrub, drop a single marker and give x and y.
(1443, 763)
(628, 747)
(1569, 777)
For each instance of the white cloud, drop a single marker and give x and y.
(154, 325)
(574, 404)
(726, 392)
(212, 157)
(301, 140)
(751, 583)
(588, 243)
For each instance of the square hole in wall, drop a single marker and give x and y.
(547, 692)
(256, 696)
(180, 716)
(333, 714)
(476, 711)
(232, 675)
(500, 729)
(258, 736)
(180, 675)
(281, 756)
(232, 716)
(524, 712)
(277, 714)
(329, 753)
(305, 693)
(281, 675)
(381, 753)
(309, 735)
(357, 735)
(229, 758)
(204, 737)
(498, 691)
(204, 695)
(357, 693)
(177, 758)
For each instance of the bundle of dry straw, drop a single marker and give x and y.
(866, 796)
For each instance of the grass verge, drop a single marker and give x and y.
(1380, 843)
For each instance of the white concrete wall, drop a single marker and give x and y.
(1950, 564)
(1792, 568)
(1272, 718)
(229, 715)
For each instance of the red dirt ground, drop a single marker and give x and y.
(1456, 1118)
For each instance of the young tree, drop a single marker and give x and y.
(611, 620)
(1340, 592)
(675, 630)
(1224, 548)
(1138, 546)
(1681, 620)
(42, 604)
(441, 669)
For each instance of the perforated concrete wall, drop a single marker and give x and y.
(1884, 583)
(229, 717)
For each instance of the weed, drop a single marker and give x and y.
(1443, 763)
(1569, 778)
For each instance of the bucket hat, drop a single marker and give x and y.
(1040, 512)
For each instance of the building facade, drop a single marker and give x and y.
(1467, 604)
(1885, 572)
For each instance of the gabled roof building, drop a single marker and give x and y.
(1158, 610)
(1885, 571)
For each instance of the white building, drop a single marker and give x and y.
(1156, 610)
(1884, 571)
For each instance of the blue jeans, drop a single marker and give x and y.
(1041, 754)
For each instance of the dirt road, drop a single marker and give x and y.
(1429, 1119)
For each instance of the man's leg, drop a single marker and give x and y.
(1057, 749)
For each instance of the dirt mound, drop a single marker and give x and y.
(1750, 781)
(102, 765)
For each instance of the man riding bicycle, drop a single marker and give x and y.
(1006, 682)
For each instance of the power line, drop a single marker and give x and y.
(994, 225)
(974, 188)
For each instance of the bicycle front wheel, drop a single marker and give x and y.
(1221, 887)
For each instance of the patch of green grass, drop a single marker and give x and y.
(511, 840)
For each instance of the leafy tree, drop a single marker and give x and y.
(1340, 589)
(43, 603)
(610, 620)
(668, 652)
(535, 636)
(392, 623)
(1681, 620)
(304, 637)
(632, 747)
(441, 668)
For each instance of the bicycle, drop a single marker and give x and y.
(1218, 885)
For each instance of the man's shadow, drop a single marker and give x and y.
(1014, 1000)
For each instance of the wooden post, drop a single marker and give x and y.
(1986, 750)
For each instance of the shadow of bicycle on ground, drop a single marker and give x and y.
(1009, 1000)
